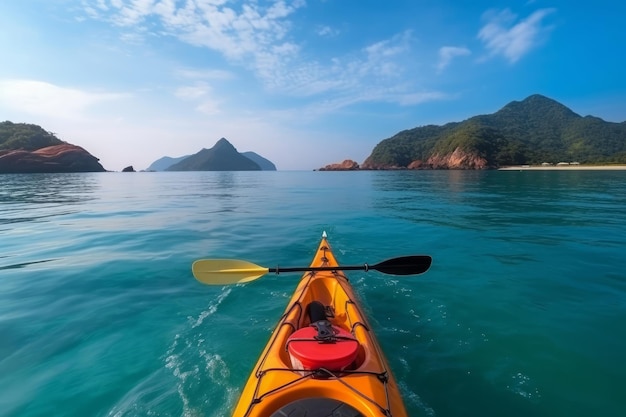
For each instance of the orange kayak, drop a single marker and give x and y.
(322, 358)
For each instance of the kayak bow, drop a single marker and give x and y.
(322, 358)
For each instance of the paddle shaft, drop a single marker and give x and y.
(278, 270)
(405, 265)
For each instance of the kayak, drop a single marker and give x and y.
(322, 358)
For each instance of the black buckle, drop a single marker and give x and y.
(325, 331)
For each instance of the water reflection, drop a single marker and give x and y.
(29, 197)
(69, 188)
(476, 199)
(427, 197)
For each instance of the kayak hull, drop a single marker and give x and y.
(365, 386)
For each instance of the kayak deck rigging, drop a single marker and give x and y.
(322, 373)
(364, 385)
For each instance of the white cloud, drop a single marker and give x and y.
(327, 31)
(205, 74)
(380, 65)
(256, 36)
(390, 47)
(45, 99)
(196, 91)
(133, 12)
(447, 53)
(200, 93)
(208, 107)
(504, 35)
(253, 31)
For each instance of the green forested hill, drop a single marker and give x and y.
(533, 131)
(25, 136)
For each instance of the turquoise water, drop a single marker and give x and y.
(523, 312)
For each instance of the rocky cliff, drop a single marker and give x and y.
(51, 159)
(458, 159)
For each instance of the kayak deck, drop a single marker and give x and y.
(364, 387)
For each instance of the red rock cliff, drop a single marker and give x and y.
(58, 158)
(457, 160)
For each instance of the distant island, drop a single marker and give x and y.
(223, 156)
(164, 163)
(536, 131)
(28, 148)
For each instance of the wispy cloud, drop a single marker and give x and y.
(200, 93)
(250, 31)
(448, 53)
(193, 92)
(380, 72)
(205, 74)
(257, 36)
(197, 88)
(381, 65)
(382, 57)
(46, 99)
(503, 34)
(327, 31)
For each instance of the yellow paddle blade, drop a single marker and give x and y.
(226, 271)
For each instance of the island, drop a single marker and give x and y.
(28, 148)
(536, 131)
(223, 156)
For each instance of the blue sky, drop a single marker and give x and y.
(303, 83)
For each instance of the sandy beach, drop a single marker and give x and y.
(564, 168)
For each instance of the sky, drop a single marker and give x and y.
(303, 83)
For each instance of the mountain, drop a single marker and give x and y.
(28, 148)
(221, 157)
(164, 163)
(533, 131)
(265, 164)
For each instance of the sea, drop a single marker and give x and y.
(523, 312)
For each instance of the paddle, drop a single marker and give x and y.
(233, 271)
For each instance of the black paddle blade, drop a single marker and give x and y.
(404, 265)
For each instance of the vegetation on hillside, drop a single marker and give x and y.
(533, 131)
(25, 136)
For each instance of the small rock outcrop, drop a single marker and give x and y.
(51, 159)
(419, 164)
(129, 169)
(347, 165)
